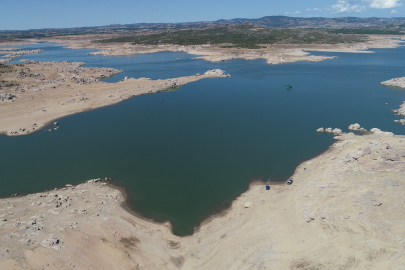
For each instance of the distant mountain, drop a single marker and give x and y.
(382, 24)
(315, 22)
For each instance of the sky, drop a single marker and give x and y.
(29, 14)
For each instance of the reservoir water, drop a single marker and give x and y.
(189, 156)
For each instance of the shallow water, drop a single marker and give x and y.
(192, 154)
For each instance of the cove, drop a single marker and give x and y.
(189, 156)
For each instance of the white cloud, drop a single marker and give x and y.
(314, 9)
(350, 6)
(394, 11)
(347, 6)
(384, 3)
(297, 12)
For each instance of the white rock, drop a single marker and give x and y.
(248, 204)
(355, 126)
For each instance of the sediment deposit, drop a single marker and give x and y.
(11, 53)
(33, 94)
(345, 210)
(396, 82)
(273, 54)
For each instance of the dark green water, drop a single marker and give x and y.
(191, 155)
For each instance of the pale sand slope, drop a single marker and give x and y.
(397, 82)
(273, 54)
(345, 210)
(47, 91)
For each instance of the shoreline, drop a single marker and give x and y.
(399, 83)
(337, 205)
(42, 92)
(344, 214)
(15, 123)
(273, 54)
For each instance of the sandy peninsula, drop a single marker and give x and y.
(345, 210)
(37, 93)
(397, 82)
(273, 54)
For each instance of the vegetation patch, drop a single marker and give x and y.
(242, 36)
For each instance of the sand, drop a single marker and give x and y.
(68, 88)
(345, 210)
(46, 91)
(273, 54)
(395, 82)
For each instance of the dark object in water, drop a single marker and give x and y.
(267, 187)
(289, 182)
(288, 86)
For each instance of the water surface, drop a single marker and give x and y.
(192, 154)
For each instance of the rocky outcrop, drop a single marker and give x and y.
(19, 53)
(396, 82)
(356, 126)
(336, 131)
(401, 110)
(216, 73)
(378, 131)
(4, 97)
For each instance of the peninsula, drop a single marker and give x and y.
(345, 210)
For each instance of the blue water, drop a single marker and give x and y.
(191, 155)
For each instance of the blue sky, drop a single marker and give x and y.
(29, 14)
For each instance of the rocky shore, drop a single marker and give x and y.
(345, 210)
(217, 54)
(11, 53)
(33, 94)
(397, 82)
(273, 54)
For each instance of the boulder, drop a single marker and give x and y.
(321, 129)
(215, 72)
(248, 204)
(51, 242)
(354, 126)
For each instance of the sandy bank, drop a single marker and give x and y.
(397, 82)
(273, 54)
(345, 210)
(37, 93)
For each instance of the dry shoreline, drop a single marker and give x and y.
(41, 92)
(27, 111)
(344, 211)
(273, 54)
(397, 82)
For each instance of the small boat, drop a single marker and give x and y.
(288, 86)
(289, 182)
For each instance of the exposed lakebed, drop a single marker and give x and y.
(192, 154)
